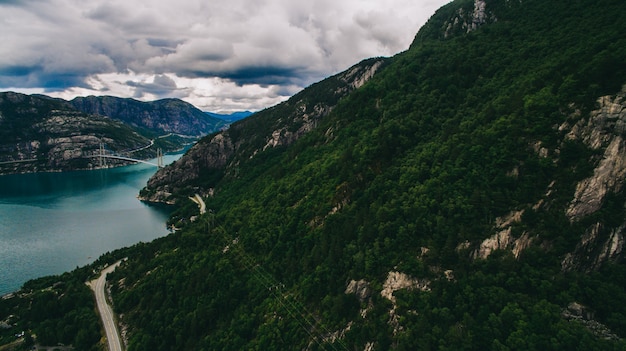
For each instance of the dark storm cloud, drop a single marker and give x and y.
(161, 86)
(12, 2)
(37, 77)
(266, 75)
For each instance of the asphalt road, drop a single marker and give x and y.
(106, 313)
(197, 199)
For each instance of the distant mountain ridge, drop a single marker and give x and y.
(231, 117)
(162, 116)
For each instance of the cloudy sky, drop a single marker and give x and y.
(220, 55)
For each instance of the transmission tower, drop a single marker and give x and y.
(101, 152)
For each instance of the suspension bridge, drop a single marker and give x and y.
(103, 154)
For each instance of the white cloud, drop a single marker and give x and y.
(221, 55)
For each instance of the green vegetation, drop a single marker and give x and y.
(57, 309)
(427, 154)
(409, 174)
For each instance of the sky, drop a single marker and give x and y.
(219, 55)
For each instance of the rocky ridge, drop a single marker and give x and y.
(604, 129)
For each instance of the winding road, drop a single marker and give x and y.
(106, 312)
(198, 200)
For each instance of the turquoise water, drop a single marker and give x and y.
(51, 223)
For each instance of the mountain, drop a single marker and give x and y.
(232, 117)
(161, 116)
(38, 133)
(467, 196)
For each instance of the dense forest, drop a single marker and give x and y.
(461, 199)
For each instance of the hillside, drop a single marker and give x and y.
(467, 196)
(161, 116)
(40, 134)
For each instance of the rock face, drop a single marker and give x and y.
(209, 155)
(397, 280)
(597, 246)
(503, 239)
(603, 132)
(162, 116)
(360, 288)
(604, 129)
(218, 155)
(466, 20)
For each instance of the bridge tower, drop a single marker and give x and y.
(101, 152)
(160, 158)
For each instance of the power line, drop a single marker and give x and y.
(296, 310)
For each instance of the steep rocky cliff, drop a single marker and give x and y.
(161, 116)
(603, 132)
(597, 202)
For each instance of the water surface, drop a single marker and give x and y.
(51, 223)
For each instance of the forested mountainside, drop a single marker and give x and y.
(468, 196)
(160, 116)
(39, 134)
(222, 153)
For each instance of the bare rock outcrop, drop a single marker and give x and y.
(604, 132)
(503, 238)
(604, 129)
(597, 246)
(397, 281)
(466, 20)
(356, 77)
(210, 154)
(305, 118)
(360, 288)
